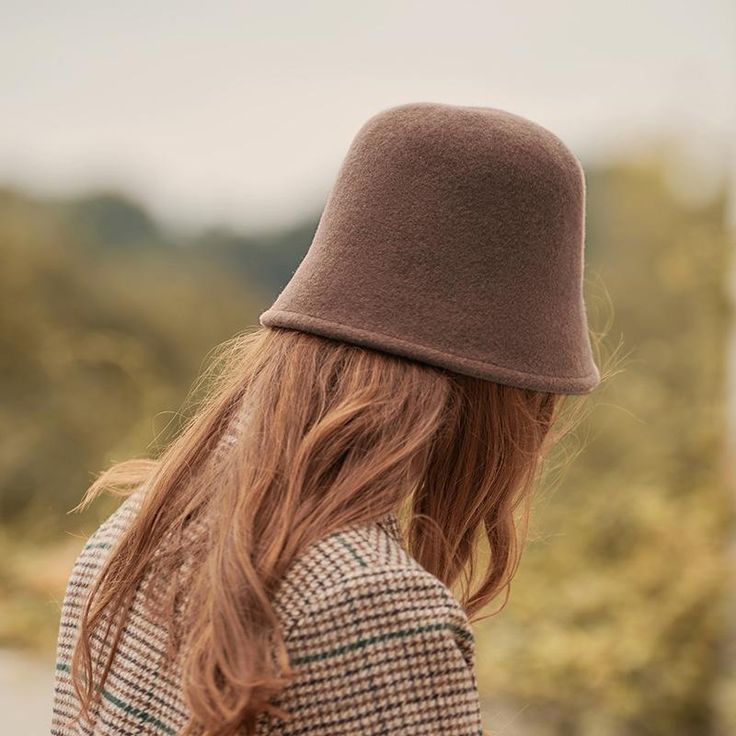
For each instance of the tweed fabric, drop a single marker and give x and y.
(453, 236)
(380, 645)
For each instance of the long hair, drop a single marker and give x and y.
(297, 436)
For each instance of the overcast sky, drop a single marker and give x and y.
(242, 111)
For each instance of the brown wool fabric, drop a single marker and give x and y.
(380, 647)
(453, 235)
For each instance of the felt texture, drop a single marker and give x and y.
(454, 236)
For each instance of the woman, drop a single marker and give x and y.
(287, 565)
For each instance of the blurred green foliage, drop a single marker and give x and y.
(100, 333)
(617, 615)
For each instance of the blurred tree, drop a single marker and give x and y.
(616, 618)
(113, 220)
(92, 346)
(268, 259)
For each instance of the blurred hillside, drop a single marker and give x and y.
(617, 622)
(617, 616)
(105, 323)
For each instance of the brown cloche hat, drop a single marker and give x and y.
(454, 236)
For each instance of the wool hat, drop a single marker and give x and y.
(454, 236)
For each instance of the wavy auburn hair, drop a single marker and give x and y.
(333, 434)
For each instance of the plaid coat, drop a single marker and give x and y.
(381, 646)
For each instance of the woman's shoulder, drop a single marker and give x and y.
(366, 570)
(99, 545)
(362, 567)
(378, 643)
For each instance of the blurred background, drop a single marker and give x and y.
(163, 166)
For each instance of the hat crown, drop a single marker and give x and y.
(453, 235)
(471, 146)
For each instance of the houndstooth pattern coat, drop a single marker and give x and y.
(380, 646)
